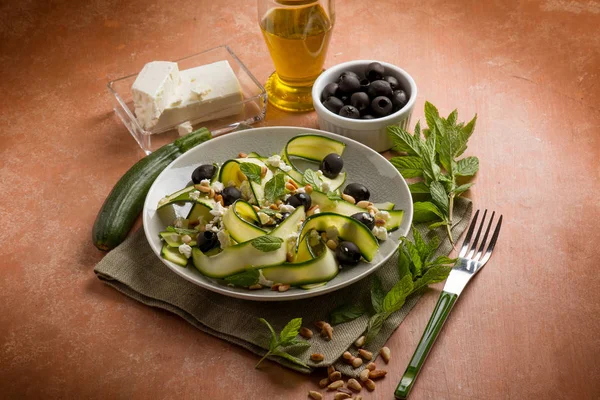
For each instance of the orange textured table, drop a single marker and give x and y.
(527, 328)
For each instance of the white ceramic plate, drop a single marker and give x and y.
(360, 162)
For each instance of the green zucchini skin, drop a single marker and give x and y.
(126, 200)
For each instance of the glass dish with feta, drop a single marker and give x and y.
(165, 100)
(260, 221)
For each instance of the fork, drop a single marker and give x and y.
(468, 264)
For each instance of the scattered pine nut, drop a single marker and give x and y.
(344, 390)
(348, 198)
(320, 324)
(386, 354)
(315, 395)
(278, 203)
(332, 244)
(211, 194)
(354, 385)
(242, 155)
(263, 171)
(335, 376)
(327, 331)
(284, 288)
(318, 357)
(371, 366)
(256, 208)
(306, 333)
(330, 370)
(274, 207)
(380, 222)
(324, 382)
(364, 375)
(347, 355)
(377, 374)
(275, 287)
(290, 187)
(370, 385)
(357, 362)
(335, 385)
(372, 210)
(186, 239)
(367, 355)
(341, 396)
(360, 342)
(255, 287)
(308, 189)
(363, 204)
(203, 189)
(293, 183)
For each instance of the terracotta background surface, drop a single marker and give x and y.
(526, 329)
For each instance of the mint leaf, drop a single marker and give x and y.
(468, 166)
(433, 244)
(462, 188)
(275, 188)
(394, 299)
(333, 196)
(297, 343)
(439, 196)
(290, 331)
(437, 225)
(431, 171)
(310, 177)
(443, 260)
(424, 211)
(403, 264)
(244, 279)
(431, 114)
(266, 243)
(452, 117)
(273, 343)
(420, 244)
(377, 294)
(290, 358)
(374, 326)
(414, 256)
(465, 133)
(418, 188)
(346, 313)
(409, 166)
(435, 274)
(252, 171)
(404, 141)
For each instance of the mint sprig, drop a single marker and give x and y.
(346, 313)
(432, 156)
(286, 338)
(252, 171)
(310, 177)
(244, 279)
(275, 188)
(266, 243)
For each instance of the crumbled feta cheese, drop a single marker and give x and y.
(380, 232)
(287, 196)
(286, 208)
(224, 238)
(325, 187)
(205, 182)
(317, 210)
(284, 167)
(274, 160)
(184, 128)
(293, 236)
(262, 280)
(208, 227)
(319, 173)
(300, 190)
(178, 223)
(384, 215)
(278, 215)
(264, 218)
(218, 210)
(217, 186)
(186, 250)
(215, 229)
(194, 195)
(332, 232)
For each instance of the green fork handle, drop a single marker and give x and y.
(434, 326)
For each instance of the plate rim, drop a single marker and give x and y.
(255, 295)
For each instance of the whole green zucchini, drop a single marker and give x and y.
(126, 200)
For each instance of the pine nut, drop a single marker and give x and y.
(370, 385)
(320, 324)
(354, 385)
(293, 183)
(331, 244)
(360, 342)
(330, 370)
(242, 155)
(386, 354)
(255, 287)
(377, 374)
(327, 331)
(372, 210)
(315, 395)
(308, 189)
(275, 287)
(364, 375)
(290, 187)
(335, 385)
(211, 194)
(263, 171)
(367, 355)
(348, 198)
(380, 222)
(256, 208)
(273, 207)
(364, 204)
(341, 396)
(318, 357)
(347, 355)
(203, 189)
(284, 288)
(335, 376)
(357, 362)
(278, 203)
(306, 333)
(186, 239)
(371, 366)
(344, 390)
(324, 382)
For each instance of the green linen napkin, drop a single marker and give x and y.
(133, 269)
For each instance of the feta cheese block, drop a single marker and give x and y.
(154, 89)
(207, 92)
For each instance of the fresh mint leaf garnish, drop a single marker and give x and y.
(266, 243)
(275, 188)
(377, 294)
(346, 313)
(252, 171)
(310, 177)
(333, 196)
(286, 338)
(244, 279)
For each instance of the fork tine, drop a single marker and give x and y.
(484, 240)
(465, 245)
(488, 252)
(474, 247)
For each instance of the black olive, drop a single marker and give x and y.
(329, 91)
(381, 106)
(367, 116)
(348, 253)
(399, 99)
(300, 199)
(333, 104)
(349, 84)
(358, 191)
(332, 165)
(374, 71)
(205, 171)
(392, 81)
(360, 101)
(207, 240)
(364, 85)
(349, 73)
(350, 112)
(365, 218)
(230, 195)
(379, 88)
(345, 100)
